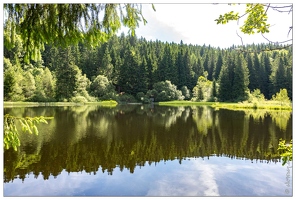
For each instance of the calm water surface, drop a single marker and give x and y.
(150, 151)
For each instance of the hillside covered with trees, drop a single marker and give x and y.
(131, 69)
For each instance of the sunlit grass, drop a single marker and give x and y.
(31, 104)
(268, 105)
(103, 103)
(184, 103)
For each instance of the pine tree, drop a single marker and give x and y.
(66, 82)
(257, 67)
(241, 79)
(142, 80)
(278, 76)
(128, 73)
(252, 72)
(265, 73)
(218, 66)
(65, 72)
(289, 74)
(106, 67)
(225, 85)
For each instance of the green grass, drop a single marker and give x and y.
(32, 104)
(103, 103)
(269, 105)
(184, 103)
(20, 103)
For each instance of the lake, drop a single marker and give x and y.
(149, 150)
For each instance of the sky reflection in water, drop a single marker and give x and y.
(217, 176)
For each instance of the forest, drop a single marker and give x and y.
(131, 69)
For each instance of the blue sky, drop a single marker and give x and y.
(194, 23)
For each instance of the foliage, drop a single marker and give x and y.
(233, 79)
(63, 75)
(240, 80)
(165, 91)
(286, 151)
(126, 98)
(256, 20)
(141, 97)
(282, 97)
(28, 124)
(186, 92)
(78, 99)
(45, 85)
(203, 91)
(101, 86)
(9, 84)
(65, 24)
(256, 95)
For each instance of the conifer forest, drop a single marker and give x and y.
(131, 69)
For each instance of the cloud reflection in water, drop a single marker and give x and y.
(218, 176)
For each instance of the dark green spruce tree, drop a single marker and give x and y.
(241, 79)
(128, 71)
(225, 92)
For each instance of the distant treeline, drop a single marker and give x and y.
(127, 68)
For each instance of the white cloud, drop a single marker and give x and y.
(194, 23)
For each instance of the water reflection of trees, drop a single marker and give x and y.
(91, 138)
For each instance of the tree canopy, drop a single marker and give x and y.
(65, 24)
(257, 19)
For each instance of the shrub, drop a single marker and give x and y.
(101, 86)
(126, 98)
(282, 97)
(78, 99)
(256, 96)
(186, 93)
(165, 91)
(141, 97)
(109, 96)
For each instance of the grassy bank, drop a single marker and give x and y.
(103, 103)
(185, 103)
(36, 104)
(269, 105)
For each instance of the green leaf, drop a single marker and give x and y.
(153, 7)
(35, 130)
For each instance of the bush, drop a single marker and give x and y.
(256, 96)
(141, 97)
(101, 86)
(165, 91)
(78, 99)
(203, 90)
(282, 97)
(109, 96)
(186, 93)
(40, 96)
(126, 98)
